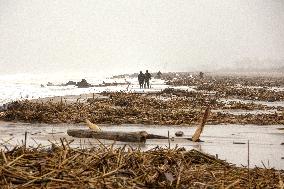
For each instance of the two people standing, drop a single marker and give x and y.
(144, 79)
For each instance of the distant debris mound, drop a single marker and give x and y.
(49, 84)
(83, 84)
(71, 83)
(168, 90)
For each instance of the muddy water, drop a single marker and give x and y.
(229, 142)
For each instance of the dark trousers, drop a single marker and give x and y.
(141, 84)
(147, 84)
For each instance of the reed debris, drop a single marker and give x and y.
(125, 167)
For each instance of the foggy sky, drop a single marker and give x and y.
(130, 35)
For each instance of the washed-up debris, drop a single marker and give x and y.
(71, 83)
(259, 119)
(249, 88)
(179, 133)
(199, 129)
(96, 132)
(168, 107)
(110, 135)
(131, 108)
(134, 108)
(238, 142)
(49, 84)
(235, 105)
(108, 167)
(185, 78)
(92, 126)
(83, 84)
(141, 136)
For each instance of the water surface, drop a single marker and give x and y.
(229, 142)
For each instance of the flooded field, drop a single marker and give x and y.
(228, 142)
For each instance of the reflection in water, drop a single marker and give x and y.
(197, 146)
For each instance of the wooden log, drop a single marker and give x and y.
(110, 135)
(140, 136)
(152, 136)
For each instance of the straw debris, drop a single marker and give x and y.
(131, 108)
(108, 167)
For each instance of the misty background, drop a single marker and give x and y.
(124, 36)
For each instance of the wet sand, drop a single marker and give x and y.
(71, 98)
(229, 142)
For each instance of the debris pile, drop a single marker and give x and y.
(108, 167)
(179, 79)
(131, 108)
(83, 84)
(248, 88)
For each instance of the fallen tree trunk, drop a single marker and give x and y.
(140, 136)
(152, 136)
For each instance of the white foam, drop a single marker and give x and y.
(26, 86)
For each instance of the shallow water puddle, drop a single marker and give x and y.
(228, 142)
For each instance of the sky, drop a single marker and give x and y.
(125, 36)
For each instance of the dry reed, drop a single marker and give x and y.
(109, 167)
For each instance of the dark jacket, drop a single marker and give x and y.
(141, 78)
(147, 76)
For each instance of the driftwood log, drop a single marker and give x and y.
(199, 129)
(140, 136)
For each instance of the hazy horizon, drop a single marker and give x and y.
(112, 37)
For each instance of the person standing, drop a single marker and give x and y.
(201, 75)
(141, 78)
(147, 79)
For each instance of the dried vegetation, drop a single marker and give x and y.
(131, 108)
(168, 107)
(248, 88)
(108, 167)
